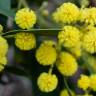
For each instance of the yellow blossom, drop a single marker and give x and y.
(47, 82)
(3, 46)
(93, 82)
(89, 42)
(46, 54)
(67, 64)
(69, 36)
(25, 18)
(88, 15)
(25, 41)
(3, 62)
(84, 82)
(66, 13)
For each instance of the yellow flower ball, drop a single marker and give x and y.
(66, 13)
(69, 37)
(3, 62)
(93, 82)
(65, 93)
(47, 82)
(25, 18)
(3, 46)
(46, 54)
(1, 28)
(25, 41)
(89, 42)
(84, 82)
(66, 64)
(88, 16)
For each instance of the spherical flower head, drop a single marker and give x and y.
(66, 64)
(46, 54)
(65, 93)
(84, 82)
(88, 15)
(3, 46)
(25, 41)
(69, 36)
(93, 82)
(66, 13)
(3, 62)
(1, 28)
(47, 82)
(25, 18)
(89, 42)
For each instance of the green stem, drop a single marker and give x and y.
(67, 86)
(22, 3)
(51, 69)
(87, 63)
(86, 92)
(19, 4)
(59, 47)
(35, 31)
(9, 36)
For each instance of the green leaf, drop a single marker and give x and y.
(43, 32)
(5, 8)
(5, 4)
(8, 13)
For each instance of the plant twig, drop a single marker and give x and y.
(66, 85)
(22, 3)
(51, 69)
(35, 31)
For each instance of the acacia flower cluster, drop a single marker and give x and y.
(86, 82)
(76, 38)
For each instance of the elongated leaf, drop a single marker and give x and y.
(52, 32)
